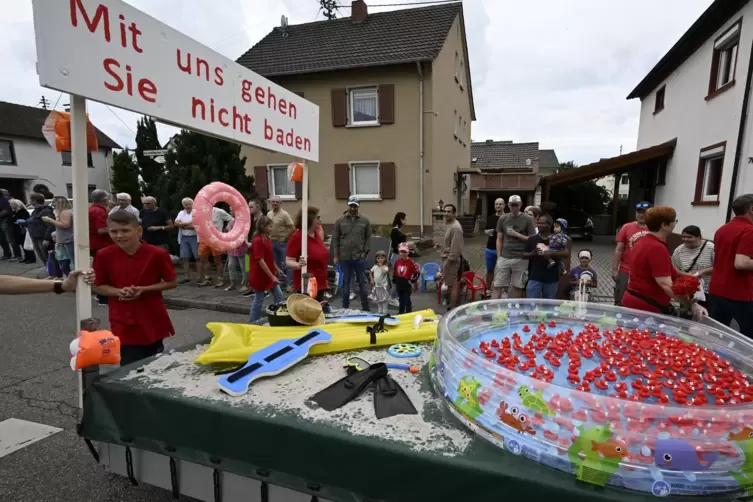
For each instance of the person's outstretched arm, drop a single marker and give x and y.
(13, 285)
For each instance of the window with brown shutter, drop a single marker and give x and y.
(298, 190)
(261, 182)
(387, 180)
(342, 181)
(339, 107)
(387, 104)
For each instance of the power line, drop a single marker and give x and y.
(402, 4)
(121, 120)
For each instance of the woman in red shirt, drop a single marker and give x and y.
(262, 272)
(651, 270)
(318, 254)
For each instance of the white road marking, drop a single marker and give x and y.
(16, 434)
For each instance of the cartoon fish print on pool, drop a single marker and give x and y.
(678, 455)
(514, 419)
(582, 443)
(589, 443)
(744, 435)
(534, 401)
(467, 400)
(610, 449)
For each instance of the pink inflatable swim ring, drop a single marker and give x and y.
(202, 219)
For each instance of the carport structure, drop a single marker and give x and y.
(647, 169)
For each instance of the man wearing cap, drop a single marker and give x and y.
(350, 244)
(513, 230)
(628, 235)
(282, 228)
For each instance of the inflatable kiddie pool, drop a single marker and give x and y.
(611, 395)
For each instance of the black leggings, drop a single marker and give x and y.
(404, 290)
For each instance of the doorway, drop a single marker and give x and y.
(16, 187)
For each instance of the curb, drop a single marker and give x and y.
(197, 304)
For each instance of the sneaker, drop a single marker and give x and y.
(393, 302)
(243, 290)
(185, 280)
(250, 292)
(219, 283)
(204, 282)
(230, 288)
(352, 296)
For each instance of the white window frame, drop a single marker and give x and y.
(707, 157)
(352, 179)
(12, 151)
(364, 123)
(727, 46)
(271, 181)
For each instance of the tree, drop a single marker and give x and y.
(586, 195)
(125, 176)
(152, 172)
(198, 160)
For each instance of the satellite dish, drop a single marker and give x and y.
(283, 21)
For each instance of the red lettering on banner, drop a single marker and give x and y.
(145, 87)
(241, 122)
(286, 138)
(200, 67)
(135, 32)
(267, 97)
(101, 12)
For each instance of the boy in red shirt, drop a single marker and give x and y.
(134, 274)
(406, 273)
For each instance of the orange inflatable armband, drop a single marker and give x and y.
(94, 347)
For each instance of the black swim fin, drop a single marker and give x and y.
(348, 388)
(390, 399)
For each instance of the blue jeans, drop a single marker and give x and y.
(536, 289)
(349, 268)
(278, 250)
(259, 300)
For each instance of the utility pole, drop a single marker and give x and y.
(328, 8)
(44, 103)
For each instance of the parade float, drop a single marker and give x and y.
(612, 396)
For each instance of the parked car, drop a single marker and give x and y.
(579, 224)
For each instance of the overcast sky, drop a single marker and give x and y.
(552, 71)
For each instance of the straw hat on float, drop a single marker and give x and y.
(305, 310)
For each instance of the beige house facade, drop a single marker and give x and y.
(395, 124)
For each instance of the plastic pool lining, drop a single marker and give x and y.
(644, 445)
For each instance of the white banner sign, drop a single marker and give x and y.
(110, 52)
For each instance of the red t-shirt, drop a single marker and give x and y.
(650, 259)
(316, 261)
(261, 249)
(629, 235)
(97, 221)
(142, 321)
(735, 237)
(405, 268)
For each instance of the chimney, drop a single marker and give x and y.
(358, 11)
(489, 141)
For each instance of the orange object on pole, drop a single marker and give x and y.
(295, 172)
(57, 131)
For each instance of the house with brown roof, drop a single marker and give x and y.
(26, 159)
(396, 106)
(503, 168)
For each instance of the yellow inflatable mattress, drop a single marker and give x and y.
(233, 343)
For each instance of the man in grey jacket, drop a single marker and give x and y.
(350, 243)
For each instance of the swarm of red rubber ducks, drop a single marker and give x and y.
(686, 286)
(632, 365)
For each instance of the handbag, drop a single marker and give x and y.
(28, 244)
(695, 260)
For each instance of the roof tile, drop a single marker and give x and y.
(502, 155)
(384, 38)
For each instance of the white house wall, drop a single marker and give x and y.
(697, 123)
(38, 162)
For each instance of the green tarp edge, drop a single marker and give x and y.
(286, 450)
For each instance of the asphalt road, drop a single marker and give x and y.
(37, 384)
